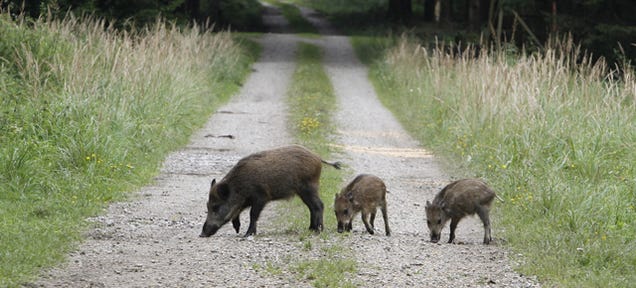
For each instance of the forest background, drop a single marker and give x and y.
(604, 28)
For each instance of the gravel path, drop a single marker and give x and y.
(151, 241)
(376, 143)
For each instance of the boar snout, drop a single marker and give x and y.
(435, 237)
(344, 226)
(340, 227)
(209, 230)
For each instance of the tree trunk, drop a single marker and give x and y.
(400, 10)
(555, 28)
(31, 7)
(429, 10)
(474, 15)
(446, 10)
(192, 9)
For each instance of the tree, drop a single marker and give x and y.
(192, 9)
(400, 10)
(474, 15)
(429, 10)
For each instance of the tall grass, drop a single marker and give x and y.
(551, 132)
(85, 113)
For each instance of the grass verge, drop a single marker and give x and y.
(84, 115)
(550, 132)
(311, 100)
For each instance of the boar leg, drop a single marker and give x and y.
(453, 226)
(309, 195)
(483, 215)
(366, 222)
(385, 217)
(236, 223)
(372, 220)
(255, 212)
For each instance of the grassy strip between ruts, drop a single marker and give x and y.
(550, 132)
(311, 98)
(84, 117)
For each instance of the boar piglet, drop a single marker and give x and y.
(265, 176)
(456, 200)
(364, 194)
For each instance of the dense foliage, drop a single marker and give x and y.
(234, 14)
(605, 27)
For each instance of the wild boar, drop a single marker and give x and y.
(364, 194)
(262, 177)
(456, 200)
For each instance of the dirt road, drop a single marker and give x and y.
(152, 240)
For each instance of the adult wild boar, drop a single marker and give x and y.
(262, 177)
(364, 194)
(456, 200)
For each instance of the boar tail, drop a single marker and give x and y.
(336, 165)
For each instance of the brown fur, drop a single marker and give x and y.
(265, 176)
(457, 200)
(364, 194)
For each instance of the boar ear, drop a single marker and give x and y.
(428, 204)
(445, 208)
(223, 190)
(213, 182)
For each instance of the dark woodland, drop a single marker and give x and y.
(603, 27)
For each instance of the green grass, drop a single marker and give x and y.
(311, 102)
(84, 116)
(297, 22)
(551, 133)
(338, 263)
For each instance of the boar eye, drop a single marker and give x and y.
(428, 222)
(346, 211)
(215, 208)
(439, 221)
